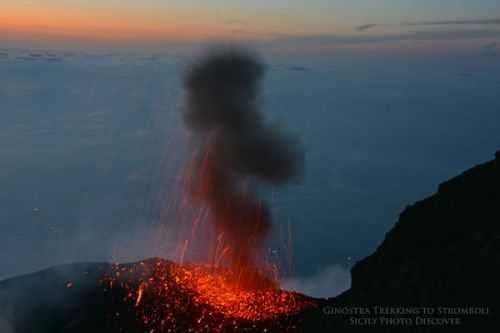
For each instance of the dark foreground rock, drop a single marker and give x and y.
(437, 270)
(444, 252)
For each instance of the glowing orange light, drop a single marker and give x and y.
(168, 292)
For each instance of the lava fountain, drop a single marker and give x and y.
(235, 147)
(168, 297)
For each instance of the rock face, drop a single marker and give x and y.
(443, 254)
(46, 302)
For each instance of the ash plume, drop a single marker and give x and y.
(235, 147)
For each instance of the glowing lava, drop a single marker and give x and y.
(174, 298)
(235, 149)
(218, 289)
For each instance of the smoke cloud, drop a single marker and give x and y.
(235, 147)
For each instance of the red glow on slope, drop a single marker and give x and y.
(189, 298)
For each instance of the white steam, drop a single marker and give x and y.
(329, 282)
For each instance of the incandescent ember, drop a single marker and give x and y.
(235, 149)
(172, 298)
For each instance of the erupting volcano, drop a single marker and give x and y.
(234, 148)
(167, 297)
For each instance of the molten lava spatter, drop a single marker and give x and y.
(174, 298)
(219, 290)
(235, 149)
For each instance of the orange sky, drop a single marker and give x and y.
(98, 24)
(193, 20)
(154, 20)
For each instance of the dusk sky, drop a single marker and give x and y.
(461, 21)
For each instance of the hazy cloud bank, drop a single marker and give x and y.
(369, 26)
(329, 282)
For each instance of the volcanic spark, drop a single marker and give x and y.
(235, 146)
(238, 291)
(193, 298)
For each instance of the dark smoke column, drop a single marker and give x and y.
(235, 147)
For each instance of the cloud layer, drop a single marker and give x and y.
(366, 27)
